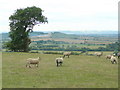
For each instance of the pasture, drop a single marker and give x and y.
(78, 71)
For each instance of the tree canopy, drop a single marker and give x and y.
(21, 24)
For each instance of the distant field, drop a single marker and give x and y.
(78, 71)
(57, 41)
(91, 41)
(74, 38)
(72, 42)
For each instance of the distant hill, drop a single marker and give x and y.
(90, 32)
(6, 35)
(67, 34)
(63, 35)
(37, 33)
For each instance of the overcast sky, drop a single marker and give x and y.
(77, 15)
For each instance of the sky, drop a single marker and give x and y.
(66, 15)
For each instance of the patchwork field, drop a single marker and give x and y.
(78, 71)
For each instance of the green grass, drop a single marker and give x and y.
(78, 71)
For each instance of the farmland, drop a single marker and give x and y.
(73, 38)
(58, 41)
(78, 71)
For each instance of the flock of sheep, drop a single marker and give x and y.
(59, 60)
(111, 57)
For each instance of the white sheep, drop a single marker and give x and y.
(66, 54)
(108, 56)
(34, 61)
(113, 59)
(59, 61)
(98, 54)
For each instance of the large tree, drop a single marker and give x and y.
(21, 24)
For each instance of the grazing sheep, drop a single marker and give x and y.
(98, 54)
(113, 59)
(66, 54)
(34, 61)
(108, 56)
(59, 61)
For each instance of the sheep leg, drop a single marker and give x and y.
(60, 63)
(37, 65)
(68, 56)
(115, 61)
(112, 62)
(57, 64)
(118, 56)
(29, 66)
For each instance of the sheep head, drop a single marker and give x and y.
(39, 58)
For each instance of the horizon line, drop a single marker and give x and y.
(65, 30)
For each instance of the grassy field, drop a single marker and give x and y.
(78, 71)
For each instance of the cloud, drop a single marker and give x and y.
(67, 14)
